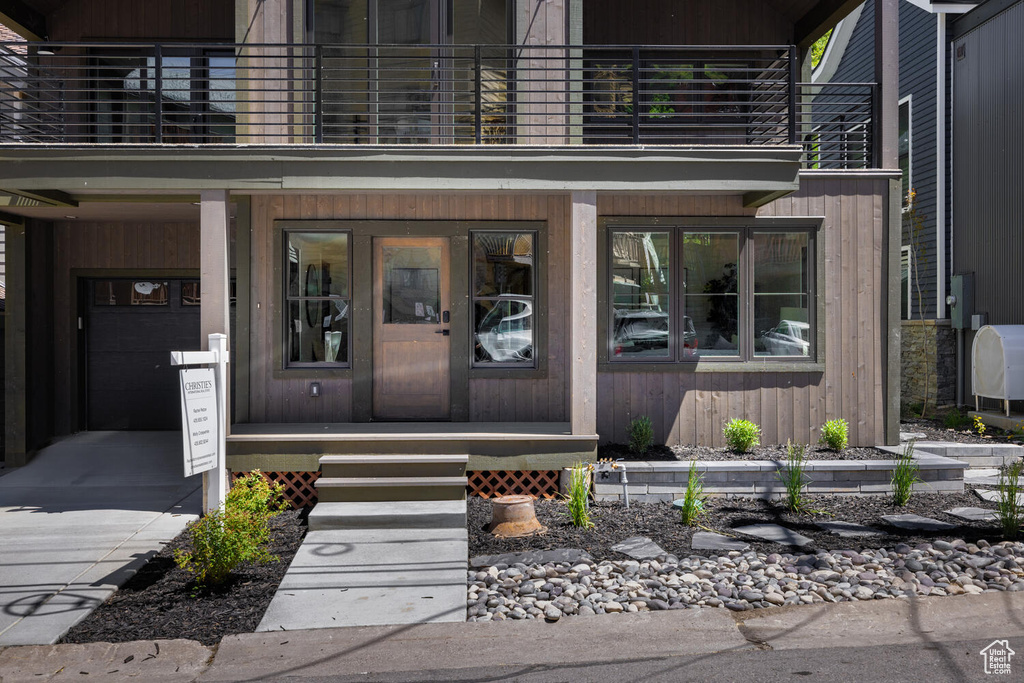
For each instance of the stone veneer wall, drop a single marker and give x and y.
(931, 345)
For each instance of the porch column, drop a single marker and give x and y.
(583, 314)
(16, 347)
(214, 222)
(887, 75)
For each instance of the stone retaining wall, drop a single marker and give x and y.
(665, 481)
(975, 455)
(928, 345)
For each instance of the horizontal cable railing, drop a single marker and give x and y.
(174, 93)
(836, 125)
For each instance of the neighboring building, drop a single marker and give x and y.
(988, 161)
(928, 343)
(501, 228)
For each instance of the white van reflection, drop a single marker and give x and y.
(505, 335)
(788, 338)
(646, 332)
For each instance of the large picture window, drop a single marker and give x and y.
(317, 298)
(736, 294)
(504, 299)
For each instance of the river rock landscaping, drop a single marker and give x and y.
(573, 571)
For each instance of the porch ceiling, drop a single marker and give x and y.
(186, 170)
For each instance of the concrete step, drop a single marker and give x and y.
(406, 514)
(366, 466)
(346, 489)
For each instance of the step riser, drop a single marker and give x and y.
(433, 521)
(331, 494)
(360, 470)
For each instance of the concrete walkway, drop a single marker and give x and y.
(79, 520)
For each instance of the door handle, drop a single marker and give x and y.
(444, 332)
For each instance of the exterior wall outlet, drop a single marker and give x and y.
(314, 389)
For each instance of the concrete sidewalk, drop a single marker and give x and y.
(572, 649)
(79, 520)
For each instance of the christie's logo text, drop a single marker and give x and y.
(198, 386)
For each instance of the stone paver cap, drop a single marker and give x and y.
(849, 529)
(774, 533)
(639, 548)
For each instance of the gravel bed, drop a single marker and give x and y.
(971, 558)
(162, 602)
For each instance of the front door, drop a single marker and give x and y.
(411, 342)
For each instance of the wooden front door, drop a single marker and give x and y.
(411, 342)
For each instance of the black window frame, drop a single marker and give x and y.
(746, 333)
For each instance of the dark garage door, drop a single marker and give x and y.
(132, 326)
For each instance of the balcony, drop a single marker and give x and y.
(75, 94)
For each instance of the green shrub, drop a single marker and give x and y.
(835, 434)
(742, 435)
(904, 476)
(577, 500)
(237, 533)
(1009, 509)
(957, 419)
(693, 499)
(641, 435)
(794, 477)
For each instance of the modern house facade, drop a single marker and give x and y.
(929, 340)
(497, 228)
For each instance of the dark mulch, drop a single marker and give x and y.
(161, 601)
(616, 451)
(661, 522)
(935, 430)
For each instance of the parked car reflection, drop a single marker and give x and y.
(788, 338)
(646, 333)
(505, 334)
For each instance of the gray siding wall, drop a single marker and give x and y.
(988, 149)
(918, 75)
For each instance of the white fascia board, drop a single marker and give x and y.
(836, 47)
(943, 7)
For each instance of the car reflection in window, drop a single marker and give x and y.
(788, 338)
(646, 333)
(505, 334)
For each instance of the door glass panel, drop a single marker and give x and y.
(412, 290)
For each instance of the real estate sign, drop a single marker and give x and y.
(199, 419)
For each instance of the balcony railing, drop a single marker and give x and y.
(174, 93)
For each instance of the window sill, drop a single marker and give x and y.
(716, 366)
(507, 373)
(322, 373)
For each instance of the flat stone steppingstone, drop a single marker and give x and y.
(917, 522)
(912, 436)
(707, 540)
(639, 548)
(993, 496)
(573, 555)
(849, 529)
(973, 514)
(774, 533)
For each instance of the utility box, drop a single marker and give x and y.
(961, 301)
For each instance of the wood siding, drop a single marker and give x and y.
(130, 247)
(689, 407)
(686, 22)
(190, 20)
(282, 399)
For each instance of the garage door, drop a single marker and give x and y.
(132, 326)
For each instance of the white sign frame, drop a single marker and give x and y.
(199, 419)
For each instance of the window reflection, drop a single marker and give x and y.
(317, 305)
(640, 294)
(711, 292)
(503, 301)
(781, 294)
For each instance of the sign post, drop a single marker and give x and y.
(204, 406)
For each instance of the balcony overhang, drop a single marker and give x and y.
(753, 171)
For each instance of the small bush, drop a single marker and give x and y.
(577, 500)
(835, 434)
(956, 419)
(794, 477)
(237, 533)
(1009, 509)
(641, 435)
(742, 435)
(979, 425)
(904, 476)
(693, 499)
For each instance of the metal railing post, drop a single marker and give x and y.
(318, 94)
(158, 65)
(478, 117)
(636, 95)
(794, 71)
(876, 125)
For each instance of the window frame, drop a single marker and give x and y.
(745, 360)
(907, 264)
(908, 100)
(534, 299)
(286, 299)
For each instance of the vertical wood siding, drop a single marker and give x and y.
(275, 399)
(191, 20)
(691, 408)
(132, 247)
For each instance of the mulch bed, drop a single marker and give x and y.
(661, 523)
(161, 601)
(617, 451)
(934, 430)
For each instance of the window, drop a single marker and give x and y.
(688, 294)
(904, 149)
(130, 293)
(317, 299)
(905, 282)
(504, 287)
